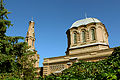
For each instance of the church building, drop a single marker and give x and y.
(87, 40)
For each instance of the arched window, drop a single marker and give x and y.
(83, 36)
(75, 38)
(93, 34)
(27, 39)
(32, 43)
(27, 33)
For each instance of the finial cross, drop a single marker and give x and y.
(85, 15)
(32, 18)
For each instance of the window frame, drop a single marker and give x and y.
(93, 33)
(75, 37)
(83, 36)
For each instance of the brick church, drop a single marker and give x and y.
(87, 40)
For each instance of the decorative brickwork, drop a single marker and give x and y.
(57, 67)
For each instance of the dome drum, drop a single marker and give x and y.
(85, 32)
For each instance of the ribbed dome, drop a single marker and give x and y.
(85, 22)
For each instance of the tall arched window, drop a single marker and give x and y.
(32, 43)
(27, 39)
(93, 34)
(83, 36)
(75, 38)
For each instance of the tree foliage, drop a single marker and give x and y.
(108, 69)
(14, 55)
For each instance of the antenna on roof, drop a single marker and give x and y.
(85, 15)
(31, 20)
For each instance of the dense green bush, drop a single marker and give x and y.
(101, 70)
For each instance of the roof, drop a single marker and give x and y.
(85, 22)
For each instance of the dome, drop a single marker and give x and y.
(85, 22)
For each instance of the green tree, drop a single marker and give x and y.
(15, 59)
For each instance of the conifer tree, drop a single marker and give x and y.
(14, 60)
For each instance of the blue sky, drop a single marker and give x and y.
(53, 18)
